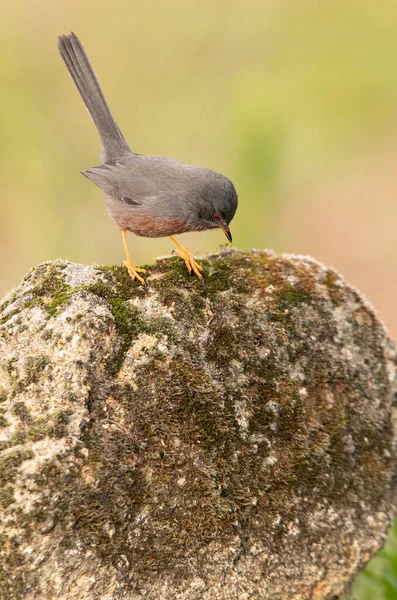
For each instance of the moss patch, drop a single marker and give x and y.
(8, 316)
(6, 496)
(21, 410)
(53, 307)
(3, 420)
(10, 462)
(34, 365)
(50, 279)
(128, 322)
(291, 296)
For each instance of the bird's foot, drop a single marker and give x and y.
(189, 262)
(133, 271)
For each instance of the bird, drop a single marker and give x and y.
(149, 196)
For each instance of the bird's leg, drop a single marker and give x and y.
(187, 257)
(132, 270)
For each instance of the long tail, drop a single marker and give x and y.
(78, 65)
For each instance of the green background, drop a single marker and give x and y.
(295, 101)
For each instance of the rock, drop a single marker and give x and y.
(231, 438)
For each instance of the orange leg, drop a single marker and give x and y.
(187, 257)
(132, 270)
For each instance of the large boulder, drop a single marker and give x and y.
(226, 439)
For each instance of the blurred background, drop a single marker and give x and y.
(295, 101)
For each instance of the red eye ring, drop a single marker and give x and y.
(217, 217)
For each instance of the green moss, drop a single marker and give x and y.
(287, 298)
(6, 496)
(50, 287)
(175, 272)
(291, 296)
(53, 308)
(3, 395)
(8, 365)
(61, 420)
(3, 420)
(51, 284)
(210, 424)
(34, 365)
(224, 346)
(31, 303)
(53, 426)
(125, 316)
(47, 334)
(162, 325)
(77, 449)
(7, 317)
(10, 462)
(5, 302)
(117, 289)
(217, 276)
(117, 284)
(33, 434)
(129, 324)
(51, 281)
(21, 410)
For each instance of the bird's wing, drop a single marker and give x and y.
(138, 179)
(109, 177)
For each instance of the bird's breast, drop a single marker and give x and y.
(154, 226)
(144, 221)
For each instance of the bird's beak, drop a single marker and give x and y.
(225, 228)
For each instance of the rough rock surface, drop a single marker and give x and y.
(226, 439)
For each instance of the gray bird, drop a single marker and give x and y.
(150, 196)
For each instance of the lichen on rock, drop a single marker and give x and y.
(218, 439)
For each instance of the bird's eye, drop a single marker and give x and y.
(217, 217)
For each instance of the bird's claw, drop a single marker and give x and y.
(133, 271)
(190, 263)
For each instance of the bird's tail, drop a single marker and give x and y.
(79, 67)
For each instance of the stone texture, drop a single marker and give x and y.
(232, 438)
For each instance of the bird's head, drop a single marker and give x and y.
(220, 206)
